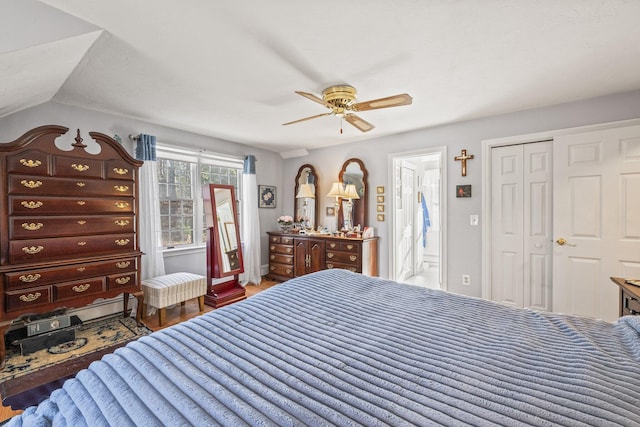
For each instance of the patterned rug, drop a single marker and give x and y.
(93, 339)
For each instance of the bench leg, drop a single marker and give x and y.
(162, 315)
(201, 303)
(144, 311)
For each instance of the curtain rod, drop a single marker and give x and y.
(134, 138)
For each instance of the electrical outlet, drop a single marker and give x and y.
(466, 280)
(473, 219)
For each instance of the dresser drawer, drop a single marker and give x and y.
(350, 267)
(20, 205)
(27, 298)
(287, 240)
(29, 162)
(281, 249)
(39, 227)
(77, 187)
(46, 276)
(352, 258)
(281, 269)
(280, 258)
(77, 288)
(40, 250)
(344, 246)
(77, 167)
(123, 282)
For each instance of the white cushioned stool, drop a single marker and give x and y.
(174, 288)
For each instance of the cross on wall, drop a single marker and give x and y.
(463, 157)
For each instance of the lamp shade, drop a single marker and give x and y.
(337, 190)
(351, 192)
(306, 191)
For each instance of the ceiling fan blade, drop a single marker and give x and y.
(356, 121)
(307, 118)
(314, 98)
(390, 101)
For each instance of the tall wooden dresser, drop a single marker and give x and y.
(293, 255)
(69, 224)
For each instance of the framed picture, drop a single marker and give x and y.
(463, 191)
(380, 189)
(380, 208)
(380, 199)
(266, 196)
(330, 211)
(380, 217)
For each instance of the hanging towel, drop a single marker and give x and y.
(426, 222)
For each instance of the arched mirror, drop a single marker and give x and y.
(353, 208)
(306, 205)
(224, 240)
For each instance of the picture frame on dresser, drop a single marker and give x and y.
(69, 224)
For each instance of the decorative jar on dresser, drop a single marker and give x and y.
(293, 255)
(69, 224)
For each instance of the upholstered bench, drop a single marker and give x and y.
(164, 291)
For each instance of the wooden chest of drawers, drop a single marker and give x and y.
(69, 224)
(292, 255)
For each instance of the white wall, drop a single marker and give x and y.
(464, 247)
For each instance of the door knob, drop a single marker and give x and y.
(562, 241)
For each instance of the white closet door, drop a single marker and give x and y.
(521, 225)
(597, 212)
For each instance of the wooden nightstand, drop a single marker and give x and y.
(629, 297)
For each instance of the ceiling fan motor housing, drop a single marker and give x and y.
(340, 97)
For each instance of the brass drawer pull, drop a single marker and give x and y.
(121, 205)
(29, 278)
(30, 297)
(123, 264)
(333, 245)
(80, 184)
(31, 204)
(349, 247)
(121, 222)
(120, 188)
(82, 243)
(272, 247)
(330, 255)
(274, 239)
(272, 268)
(123, 280)
(288, 270)
(81, 222)
(329, 265)
(81, 288)
(121, 171)
(122, 242)
(81, 269)
(81, 202)
(272, 257)
(80, 168)
(289, 250)
(30, 163)
(32, 226)
(353, 269)
(353, 257)
(32, 250)
(31, 183)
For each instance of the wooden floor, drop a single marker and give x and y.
(175, 315)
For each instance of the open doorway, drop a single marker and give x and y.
(417, 217)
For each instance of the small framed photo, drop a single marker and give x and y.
(380, 208)
(380, 189)
(380, 217)
(380, 199)
(463, 191)
(330, 211)
(266, 196)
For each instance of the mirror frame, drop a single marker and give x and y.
(360, 208)
(312, 171)
(214, 247)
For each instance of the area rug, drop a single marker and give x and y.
(38, 372)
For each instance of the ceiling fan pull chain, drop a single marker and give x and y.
(340, 125)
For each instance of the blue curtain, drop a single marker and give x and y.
(146, 148)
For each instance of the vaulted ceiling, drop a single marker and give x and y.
(229, 68)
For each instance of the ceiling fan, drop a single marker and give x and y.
(340, 100)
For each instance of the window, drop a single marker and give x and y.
(181, 175)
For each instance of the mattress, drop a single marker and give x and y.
(340, 348)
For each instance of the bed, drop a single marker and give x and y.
(340, 348)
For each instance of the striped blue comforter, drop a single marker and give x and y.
(338, 348)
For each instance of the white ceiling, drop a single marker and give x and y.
(229, 68)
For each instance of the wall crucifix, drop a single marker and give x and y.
(463, 157)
